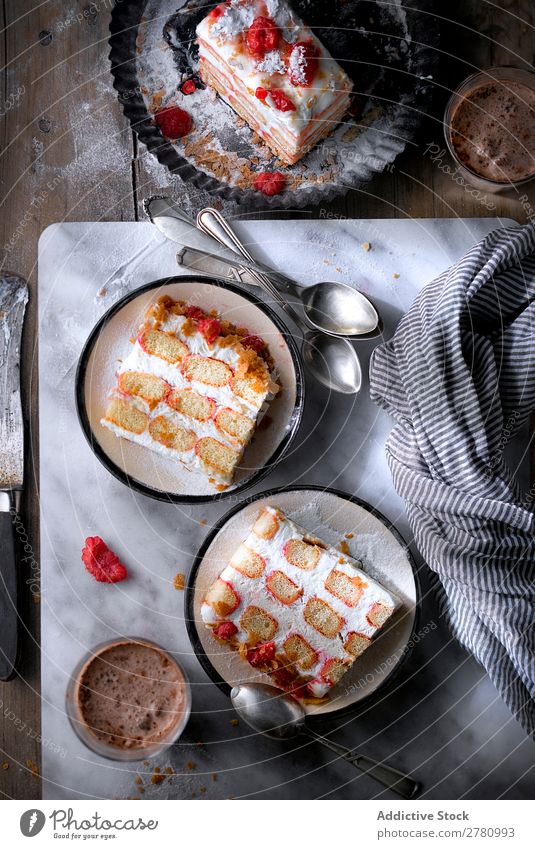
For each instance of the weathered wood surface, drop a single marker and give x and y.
(67, 153)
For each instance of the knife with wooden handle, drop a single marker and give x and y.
(13, 300)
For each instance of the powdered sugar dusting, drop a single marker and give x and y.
(272, 63)
(298, 64)
(233, 21)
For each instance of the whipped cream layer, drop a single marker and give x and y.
(227, 64)
(290, 617)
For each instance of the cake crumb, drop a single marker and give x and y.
(102, 292)
(349, 536)
(234, 722)
(191, 765)
(366, 246)
(36, 598)
(5, 765)
(202, 789)
(343, 547)
(169, 770)
(157, 777)
(180, 581)
(34, 769)
(214, 776)
(138, 780)
(203, 522)
(395, 276)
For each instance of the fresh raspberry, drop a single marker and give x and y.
(261, 655)
(270, 183)
(218, 11)
(281, 101)
(210, 329)
(303, 64)
(254, 342)
(226, 630)
(262, 36)
(261, 93)
(188, 87)
(101, 561)
(174, 122)
(195, 312)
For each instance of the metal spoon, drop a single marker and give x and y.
(331, 307)
(278, 715)
(332, 361)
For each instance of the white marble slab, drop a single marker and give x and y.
(445, 721)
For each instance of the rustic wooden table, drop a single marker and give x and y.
(68, 154)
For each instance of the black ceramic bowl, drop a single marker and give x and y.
(385, 556)
(153, 474)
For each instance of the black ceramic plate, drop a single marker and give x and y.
(147, 471)
(389, 50)
(376, 542)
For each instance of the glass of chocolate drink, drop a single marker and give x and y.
(490, 128)
(128, 699)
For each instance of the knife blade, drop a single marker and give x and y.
(13, 300)
(177, 225)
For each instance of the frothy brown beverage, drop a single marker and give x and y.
(131, 695)
(493, 131)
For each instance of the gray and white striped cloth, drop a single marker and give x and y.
(458, 377)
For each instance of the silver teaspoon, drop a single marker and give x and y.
(331, 307)
(333, 361)
(278, 715)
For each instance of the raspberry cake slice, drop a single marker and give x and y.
(193, 388)
(294, 607)
(270, 67)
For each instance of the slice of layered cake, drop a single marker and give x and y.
(193, 387)
(294, 607)
(270, 67)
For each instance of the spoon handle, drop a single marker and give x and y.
(213, 224)
(395, 780)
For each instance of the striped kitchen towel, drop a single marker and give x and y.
(458, 377)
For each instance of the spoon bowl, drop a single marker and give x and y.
(268, 710)
(333, 361)
(340, 309)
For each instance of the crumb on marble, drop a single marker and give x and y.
(157, 777)
(180, 581)
(395, 276)
(343, 547)
(234, 722)
(191, 765)
(366, 246)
